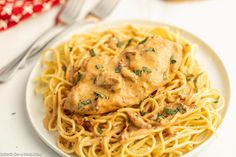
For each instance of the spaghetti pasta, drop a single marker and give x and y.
(173, 131)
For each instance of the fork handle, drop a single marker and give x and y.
(10, 69)
(36, 46)
(50, 41)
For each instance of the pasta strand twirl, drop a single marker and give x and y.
(173, 133)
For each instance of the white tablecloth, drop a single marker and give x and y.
(212, 20)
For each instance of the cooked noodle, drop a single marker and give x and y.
(172, 135)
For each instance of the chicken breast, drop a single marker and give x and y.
(108, 83)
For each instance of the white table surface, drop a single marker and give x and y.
(214, 21)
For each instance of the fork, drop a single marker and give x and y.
(66, 16)
(99, 12)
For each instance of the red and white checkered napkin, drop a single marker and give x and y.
(14, 11)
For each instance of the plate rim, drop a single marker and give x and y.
(131, 21)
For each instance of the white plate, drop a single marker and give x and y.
(206, 56)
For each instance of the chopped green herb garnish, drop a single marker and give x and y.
(189, 77)
(143, 113)
(147, 70)
(92, 52)
(99, 66)
(172, 60)
(169, 111)
(164, 76)
(217, 99)
(118, 69)
(150, 49)
(160, 116)
(99, 130)
(143, 41)
(120, 44)
(64, 68)
(138, 72)
(70, 49)
(85, 102)
(129, 42)
(181, 109)
(100, 95)
(79, 75)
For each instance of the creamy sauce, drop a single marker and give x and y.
(111, 82)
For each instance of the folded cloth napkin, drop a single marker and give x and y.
(14, 11)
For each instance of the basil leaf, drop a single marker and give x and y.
(79, 75)
(150, 49)
(172, 60)
(129, 42)
(118, 69)
(217, 99)
(143, 113)
(147, 70)
(100, 95)
(99, 130)
(64, 68)
(160, 116)
(169, 111)
(85, 102)
(138, 72)
(120, 44)
(70, 49)
(181, 109)
(99, 66)
(92, 52)
(143, 41)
